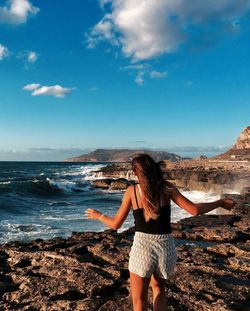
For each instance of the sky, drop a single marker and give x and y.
(78, 75)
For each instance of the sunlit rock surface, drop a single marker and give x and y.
(89, 271)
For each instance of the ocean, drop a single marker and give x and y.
(48, 199)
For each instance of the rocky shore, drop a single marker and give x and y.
(202, 175)
(225, 172)
(89, 271)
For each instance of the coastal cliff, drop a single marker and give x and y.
(240, 150)
(89, 271)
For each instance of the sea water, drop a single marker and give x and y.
(48, 199)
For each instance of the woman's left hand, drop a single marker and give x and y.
(92, 214)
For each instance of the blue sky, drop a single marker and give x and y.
(79, 75)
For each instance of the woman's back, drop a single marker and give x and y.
(161, 225)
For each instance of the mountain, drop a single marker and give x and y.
(240, 151)
(122, 155)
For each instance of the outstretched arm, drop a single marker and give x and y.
(199, 208)
(116, 221)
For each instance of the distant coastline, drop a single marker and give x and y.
(122, 155)
(240, 151)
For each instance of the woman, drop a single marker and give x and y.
(152, 258)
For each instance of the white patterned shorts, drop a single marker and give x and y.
(152, 254)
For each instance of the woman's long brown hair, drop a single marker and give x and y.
(152, 184)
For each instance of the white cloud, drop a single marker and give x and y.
(17, 11)
(32, 57)
(144, 71)
(4, 52)
(157, 74)
(104, 27)
(136, 67)
(145, 29)
(139, 78)
(31, 87)
(55, 90)
(28, 58)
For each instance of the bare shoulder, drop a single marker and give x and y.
(129, 189)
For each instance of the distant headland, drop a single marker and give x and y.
(240, 151)
(122, 155)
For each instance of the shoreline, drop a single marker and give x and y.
(178, 217)
(203, 175)
(58, 274)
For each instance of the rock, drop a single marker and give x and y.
(245, 190)
(112, 184)
(89, 270)
(102, 183)
(201, 157)
(240, 151)
(231, 227)
(243, 142)
(201, 175)
(216, 284)
(120, 184)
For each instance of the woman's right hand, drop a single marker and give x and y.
(227, 203)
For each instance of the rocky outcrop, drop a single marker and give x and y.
(115, 171)
(114, 184)
(201, 157)
(89, 271)
(122, 155)
(243, 142)
(240, 151)
(212, 179)
(190, 175)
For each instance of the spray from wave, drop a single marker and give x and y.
(61, 182)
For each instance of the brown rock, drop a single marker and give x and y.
(89, 271)
(102, 183)
(120, 184)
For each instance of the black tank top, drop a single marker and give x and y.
(161, 225)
